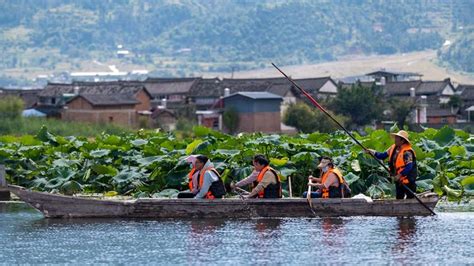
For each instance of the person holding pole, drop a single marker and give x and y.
(401, 163)
(330, 184)
(265, 180)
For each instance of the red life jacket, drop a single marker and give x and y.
(266, 192)
(399, 163)
(190, 176)
(337, 172)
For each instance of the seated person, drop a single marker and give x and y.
(331, 184)
(210, 185)
(265, 179)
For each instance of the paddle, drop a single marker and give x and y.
(315, 103)
(310, 202)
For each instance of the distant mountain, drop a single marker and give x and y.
(54, 34)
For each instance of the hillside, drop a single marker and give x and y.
(185, 37)
(421, 62)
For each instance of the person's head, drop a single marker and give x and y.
(400, 138)
(259, 162)
(201, 160)
(325, 163)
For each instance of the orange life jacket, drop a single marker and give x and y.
(261, 194)
(190, 176)
(325, 191)
(209, 194)
(399, 161)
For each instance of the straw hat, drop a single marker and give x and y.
(402, 134)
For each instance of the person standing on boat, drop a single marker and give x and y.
(265, 179)
(330, 184)
(209, 185)
(401, 163)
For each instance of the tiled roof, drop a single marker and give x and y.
(421, 87)
(441, 112)
(169, 86)
(29, 97)
(279, 86)
(401, 87)
(108, 99)
(92, 88)
(256, 95)
(431, 87)
(467, 91)
(395, 73)
(367, 84)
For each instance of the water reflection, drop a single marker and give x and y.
(204, 227)
(264, 227)
(333, 231)
(406, 235)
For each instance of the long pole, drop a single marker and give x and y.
(315, 103)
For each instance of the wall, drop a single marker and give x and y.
(144, 99)
(441, 120)
(267, 122)
(82, 111)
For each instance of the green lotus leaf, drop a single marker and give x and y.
(444, 136)
(104, 170)
(99, 153)
(139, 142)
(192, 146)
(201, 131)
(457, 151)
(278, 162)
(351, 178)
(468, 181)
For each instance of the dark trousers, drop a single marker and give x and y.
(314, 195)
(185, 195)
(402, 191)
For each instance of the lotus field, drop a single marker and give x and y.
(150, 164)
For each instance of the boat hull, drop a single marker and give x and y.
(60, 206)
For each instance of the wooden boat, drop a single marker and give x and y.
(60, 206)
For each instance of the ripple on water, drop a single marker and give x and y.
(444, 239)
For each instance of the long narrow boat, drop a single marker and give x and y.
(60, 206)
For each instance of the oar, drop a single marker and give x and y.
(310, 202)
(289, 186)
(315, 103)
(241, 190)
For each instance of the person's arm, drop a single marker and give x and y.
(248, 180)
(207, 182)
(381, 155)
(195, 182)
(267, 179)
(408, 159)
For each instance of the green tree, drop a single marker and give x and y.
(307, 119)
(230, 119)
(455, 101)
(361, 104)
(400, 110)
(11, 107)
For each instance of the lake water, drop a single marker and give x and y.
(445, 239)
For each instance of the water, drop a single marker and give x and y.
(26, 237)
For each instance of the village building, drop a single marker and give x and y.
(257, 111)
(117, 102)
